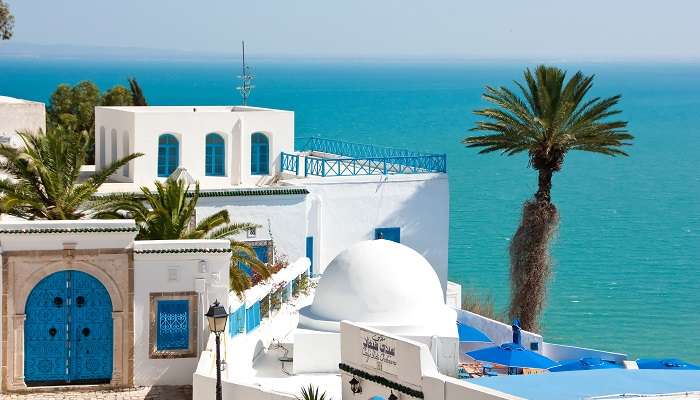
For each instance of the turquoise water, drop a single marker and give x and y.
(628, 251)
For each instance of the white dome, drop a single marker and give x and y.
(379, 283)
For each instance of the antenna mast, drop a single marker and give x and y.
(246, 79)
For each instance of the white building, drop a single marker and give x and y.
(314, 201)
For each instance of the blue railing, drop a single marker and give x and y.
(289, 162)
(354, 150)
(351, 159)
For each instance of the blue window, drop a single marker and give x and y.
(310, 252)
(259, 154)
(173, 325)
(252, 317)
(236, 321)
(262, 253)
(215, 160)
(393, 234)
(168, 154)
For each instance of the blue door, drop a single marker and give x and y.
(310, 253)
(68, 331)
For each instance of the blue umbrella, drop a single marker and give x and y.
(667, 363)
(512, 355)
(584, 364)
(469, 334)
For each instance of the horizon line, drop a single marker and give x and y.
(29, 50)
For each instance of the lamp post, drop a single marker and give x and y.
(217, 316)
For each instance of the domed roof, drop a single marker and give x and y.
(381, 283)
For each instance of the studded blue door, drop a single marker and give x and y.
(68, 331)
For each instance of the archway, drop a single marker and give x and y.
(68, 331)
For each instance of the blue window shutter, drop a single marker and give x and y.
(393, 234)
(215, 163)
(173, 325)
(259, 154)
(252, 317)
(168, 154)
(236, 321)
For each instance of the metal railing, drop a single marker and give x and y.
(289, 162)
(351, 159)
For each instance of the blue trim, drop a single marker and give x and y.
(173, 325)
(310, 253)
(393, 234)
(215, 158)
(168, 154)
(252, 317)
(289, 162)
(361, 159)
(236, 321)
(259, 154)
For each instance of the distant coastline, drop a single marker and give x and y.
(23, 50)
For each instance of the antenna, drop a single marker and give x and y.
(246, 78)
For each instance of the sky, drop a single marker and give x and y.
(596, 30)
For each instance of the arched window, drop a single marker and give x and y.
(215, 163)
(168, 154)
(259, 154)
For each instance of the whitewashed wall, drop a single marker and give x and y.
(152, 273)
(112, 121)
(346, 210)
(559, 352)
(282, 215)
(146, 124)
(19, 115)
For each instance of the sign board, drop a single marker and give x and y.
(379, 352)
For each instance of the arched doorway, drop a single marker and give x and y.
(68, 331)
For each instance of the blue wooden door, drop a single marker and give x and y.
(68, 331)
(91, 336)
(45, 331)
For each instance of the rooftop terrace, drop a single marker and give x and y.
(329, 157)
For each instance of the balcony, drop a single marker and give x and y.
(328, 157)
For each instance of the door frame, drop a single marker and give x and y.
(22, 270)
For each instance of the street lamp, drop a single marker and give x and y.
(217, 316)
(355, 387)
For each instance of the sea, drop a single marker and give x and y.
(627, 253)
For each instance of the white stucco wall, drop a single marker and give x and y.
(282, 216)
(19, 115)
(145, 124)
(346, 210)
(152, 273)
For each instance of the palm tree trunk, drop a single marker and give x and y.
(530, 263)
(544, 188)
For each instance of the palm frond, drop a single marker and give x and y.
(549, 117)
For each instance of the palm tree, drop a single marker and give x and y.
(44, 173)
(169, 212)
(312, 393)
(136, 93)
(552, 117)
